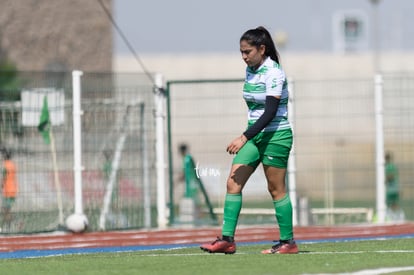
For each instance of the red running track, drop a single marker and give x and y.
(62, 240)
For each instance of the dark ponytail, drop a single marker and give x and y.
(261, 36)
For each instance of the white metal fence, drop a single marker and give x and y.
(335, 152)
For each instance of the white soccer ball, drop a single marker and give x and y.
(77, 223)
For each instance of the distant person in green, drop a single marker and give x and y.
(189, 175)
(391, 182)
(394, 211)
(191, 185)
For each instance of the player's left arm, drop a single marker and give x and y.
(271, 106)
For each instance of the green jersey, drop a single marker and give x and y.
(268, 80)
(391, 178)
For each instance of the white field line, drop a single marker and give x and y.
(377, 271)
(359, 252)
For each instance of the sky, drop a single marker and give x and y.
(193, 26)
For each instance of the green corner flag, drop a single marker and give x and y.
(44, 122)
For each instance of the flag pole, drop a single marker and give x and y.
(45, 127)
(56, 175)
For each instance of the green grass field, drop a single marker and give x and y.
(315, 258)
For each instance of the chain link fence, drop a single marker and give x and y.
(334, 126)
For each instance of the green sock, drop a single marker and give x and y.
(284, 217)
(232, 207)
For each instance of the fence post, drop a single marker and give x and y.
(380, 161)
(170, 156)
(77, 142)
(292, 161)
(145, 167)
(160, 161)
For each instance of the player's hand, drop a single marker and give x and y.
(236, 145)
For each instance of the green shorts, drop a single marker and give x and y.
(269, 148)
(8, 202)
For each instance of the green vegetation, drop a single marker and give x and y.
(9, 81)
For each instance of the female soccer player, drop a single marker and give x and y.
(267, 140)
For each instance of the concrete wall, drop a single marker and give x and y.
(310, 65)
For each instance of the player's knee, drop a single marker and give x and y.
(234, 187)
(276, 191)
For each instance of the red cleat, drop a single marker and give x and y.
(219, 246)
(283, 247)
